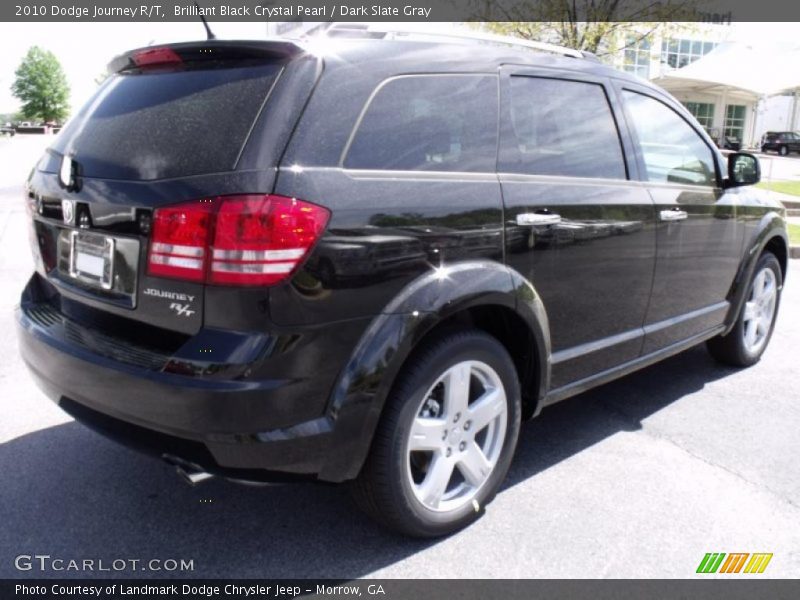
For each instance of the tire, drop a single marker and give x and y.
(396, 486)
(758, 311)
(783, 151)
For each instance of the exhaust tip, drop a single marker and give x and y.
(188, 472)
(193, 478)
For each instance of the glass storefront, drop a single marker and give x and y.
(703, 112)
(734, 121)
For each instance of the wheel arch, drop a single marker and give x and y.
(770, 235)
(778, 246)
(481, 294)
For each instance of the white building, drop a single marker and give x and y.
(719, 72)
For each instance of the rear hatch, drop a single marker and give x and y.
(185, 125)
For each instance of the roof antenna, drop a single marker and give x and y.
(209, 34)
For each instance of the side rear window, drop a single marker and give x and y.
(560, 127)
(429, 122)
(165, 124)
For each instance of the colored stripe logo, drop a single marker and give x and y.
(719, 562)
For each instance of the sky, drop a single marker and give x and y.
(84, 49)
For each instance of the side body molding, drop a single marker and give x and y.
(359, 395)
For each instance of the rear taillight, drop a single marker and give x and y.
(234, 240)
(179, 245)
(261, 239)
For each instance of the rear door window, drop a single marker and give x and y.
(430, 123)
(560, 127)
(166, 124)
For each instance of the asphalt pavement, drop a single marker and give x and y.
(638, 478)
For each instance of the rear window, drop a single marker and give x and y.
(431, 123)
(162, 125)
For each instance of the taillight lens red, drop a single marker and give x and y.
(234, 240)
(179, 245)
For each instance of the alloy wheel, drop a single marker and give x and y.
(457, 436)
(760, 310)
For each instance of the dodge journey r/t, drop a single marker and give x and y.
(369, 264)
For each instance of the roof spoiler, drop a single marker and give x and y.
(204, 51)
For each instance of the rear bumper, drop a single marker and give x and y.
(247, 427)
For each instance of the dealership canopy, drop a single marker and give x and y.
(738, 69)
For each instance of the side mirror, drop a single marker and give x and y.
(743, 169)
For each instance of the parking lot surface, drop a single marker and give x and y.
(638, 478)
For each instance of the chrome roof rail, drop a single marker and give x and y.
(368, 30)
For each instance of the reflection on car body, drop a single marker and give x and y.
(364, 253)
(520, 238)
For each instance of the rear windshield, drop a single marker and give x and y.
(162, 125)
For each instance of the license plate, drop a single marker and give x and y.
(91, 259)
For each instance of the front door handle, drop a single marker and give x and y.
(538, 219)
(673, 214)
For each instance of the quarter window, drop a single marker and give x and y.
(561, 127)
(671, 149)
(429, 122)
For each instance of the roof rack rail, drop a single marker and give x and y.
(368, 30)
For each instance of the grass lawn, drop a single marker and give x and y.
(794, 234)
(784, 187)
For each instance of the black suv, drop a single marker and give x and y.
(370, 260)
(782, 142)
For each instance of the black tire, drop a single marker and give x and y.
(731, 349)
(382, 489)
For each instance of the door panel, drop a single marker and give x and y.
(575, 225)
(593, 270)
(699, 236)
(697, 261)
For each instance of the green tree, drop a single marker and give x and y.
(41, 86)
(599, 26)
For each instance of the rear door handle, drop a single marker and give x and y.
(538, 219)
(673, 214)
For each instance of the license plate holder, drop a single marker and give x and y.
(91, 259)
